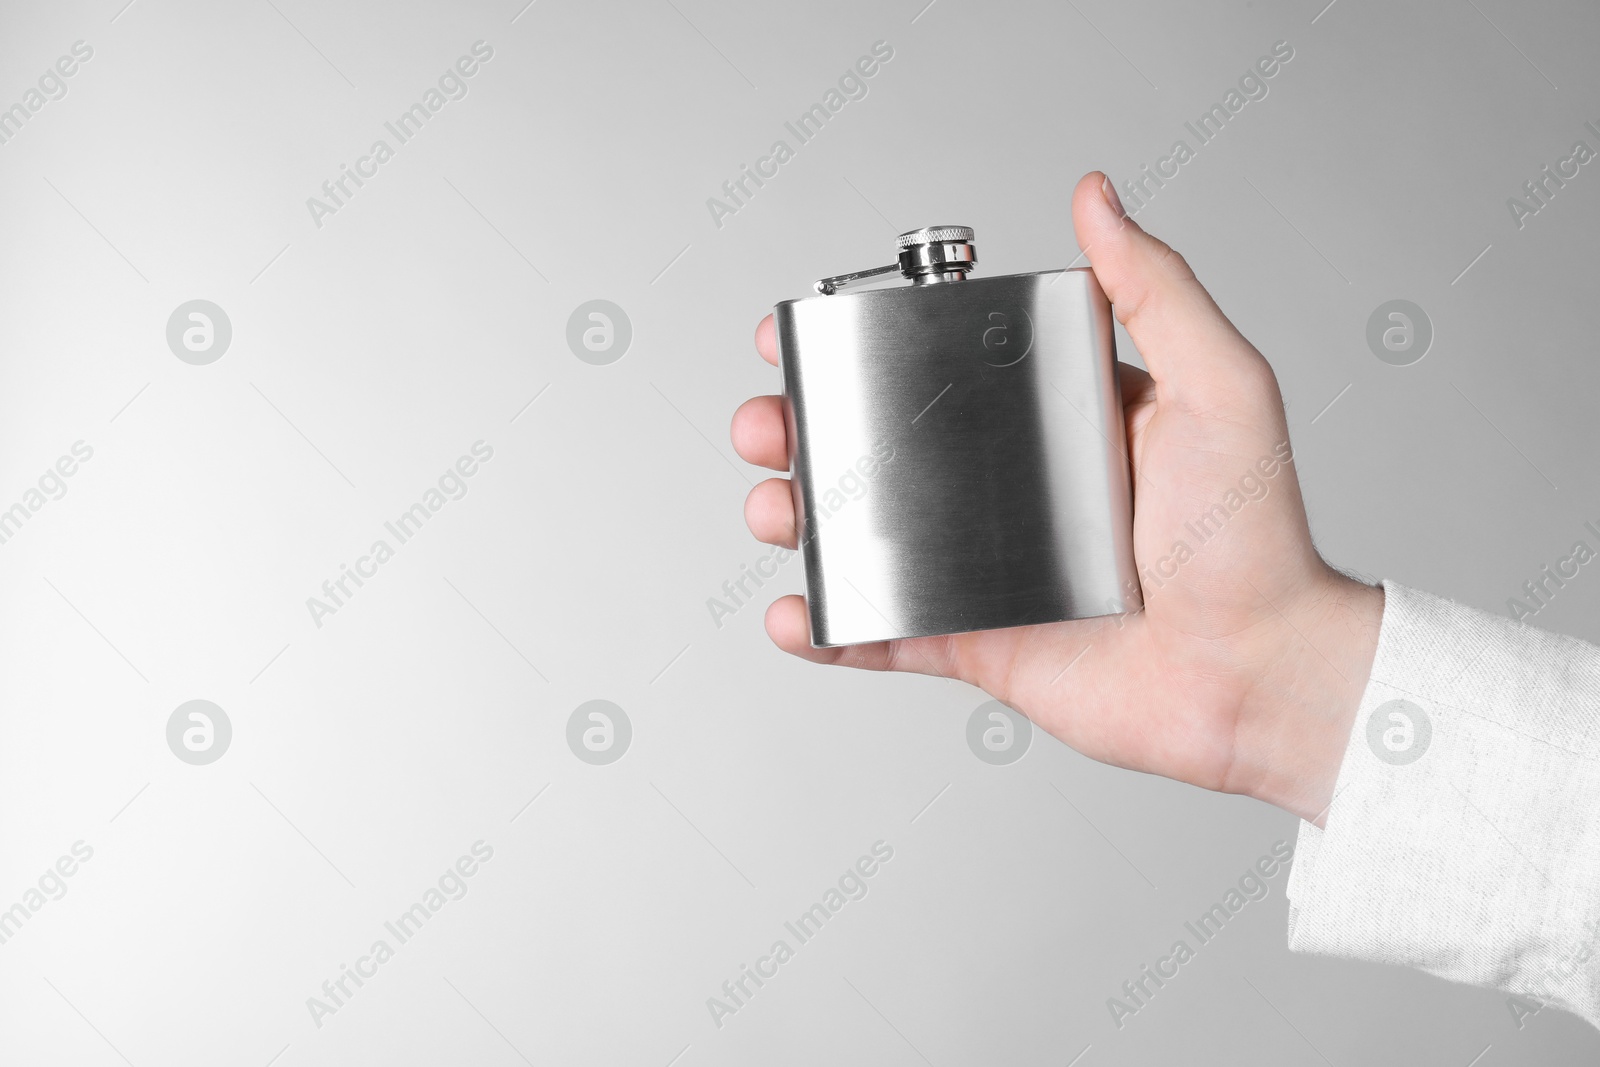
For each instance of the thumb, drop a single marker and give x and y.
(1187, 343)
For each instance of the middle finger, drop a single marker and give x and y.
(758, 433)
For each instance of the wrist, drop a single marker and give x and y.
(1304, 707)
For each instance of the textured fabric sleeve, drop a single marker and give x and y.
(1464, 834)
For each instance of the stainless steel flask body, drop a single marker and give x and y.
(958, 456)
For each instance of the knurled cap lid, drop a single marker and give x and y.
(932, 235)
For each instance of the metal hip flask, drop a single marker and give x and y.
(957, 449)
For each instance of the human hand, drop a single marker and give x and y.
(1245, 669)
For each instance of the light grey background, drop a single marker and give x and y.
(367, 755)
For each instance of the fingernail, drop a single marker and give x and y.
(1108, 191)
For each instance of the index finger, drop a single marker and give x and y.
(767, 340)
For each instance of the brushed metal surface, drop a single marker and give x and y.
(958, 457)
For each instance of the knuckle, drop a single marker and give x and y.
(1168, 266)
(1171, 261)
(1260, 381)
